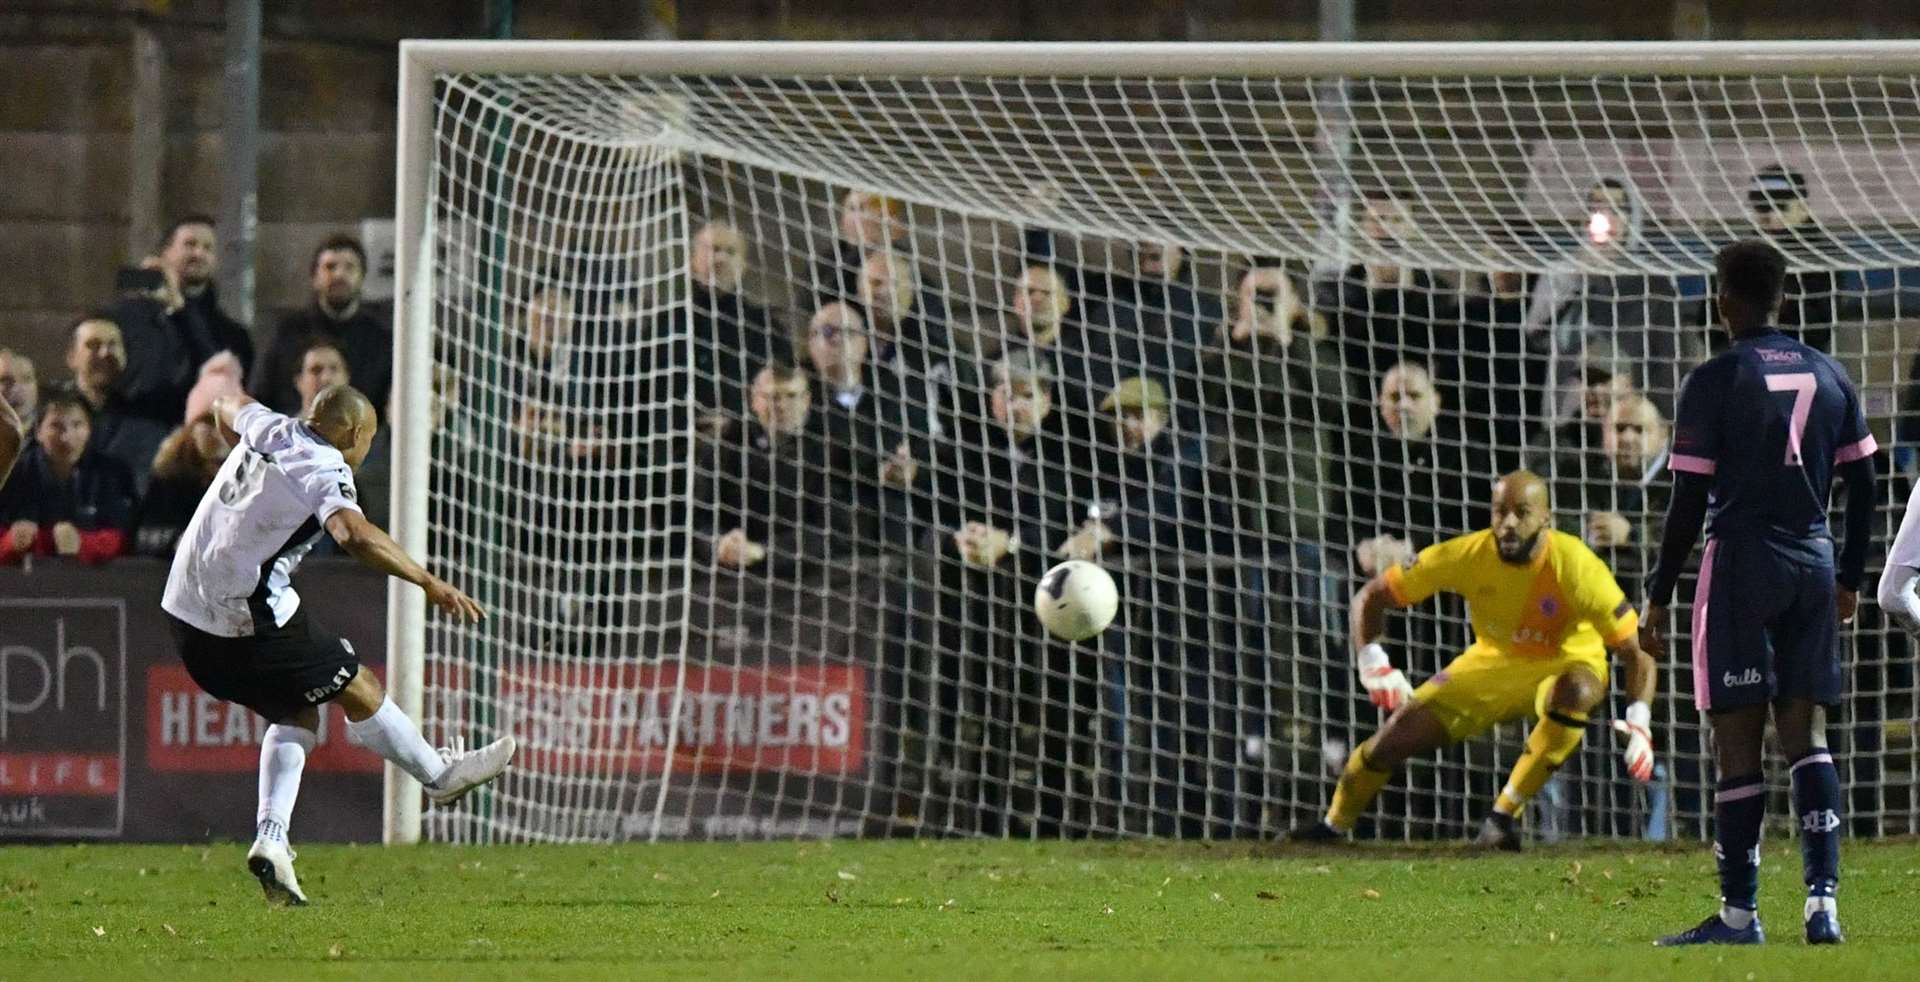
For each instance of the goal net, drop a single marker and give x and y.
(752, 388)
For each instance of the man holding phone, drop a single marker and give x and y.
(169, 314)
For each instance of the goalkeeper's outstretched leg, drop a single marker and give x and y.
(1415, 729)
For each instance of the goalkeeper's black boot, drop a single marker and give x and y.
(1498, 832)
(1318, 833)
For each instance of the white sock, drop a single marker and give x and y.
(389, 733)
(283, 755)
(1817, 904)
(1736, 917)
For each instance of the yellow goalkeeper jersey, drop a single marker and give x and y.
(1565, 602)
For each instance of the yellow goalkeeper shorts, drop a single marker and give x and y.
(1485, 686)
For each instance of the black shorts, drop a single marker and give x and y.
(1764, 627)
(276, 672)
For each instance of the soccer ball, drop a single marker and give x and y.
(1076, 600)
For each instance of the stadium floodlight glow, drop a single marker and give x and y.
(549, 195)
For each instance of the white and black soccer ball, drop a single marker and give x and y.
(1076, 600)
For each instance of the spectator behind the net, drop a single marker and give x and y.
(1155, 494)
(1081, 361)
(1382, 311)
(891, 438)
(1412, 480)
(1274, 405)
(183, 470)
(1023, 476)
(321, 364)
(1814, 299)
(63, 499)
(173, 331)
(1501, 381)
(20, 386)
(868, 222)
(907, 323)
(1598, 307)
(1271, 364)
(335, 314)
(97, 358)
(772, 499)
(1156, 319)
(1600, 386)
(1614, 495)
(732, 336)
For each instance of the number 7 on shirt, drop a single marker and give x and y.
(1803, 385)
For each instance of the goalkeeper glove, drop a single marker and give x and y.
(1386, 685)
(1637, 729)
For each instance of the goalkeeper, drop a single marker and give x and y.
(1545, 611)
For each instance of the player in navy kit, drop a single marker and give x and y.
(1761, 431)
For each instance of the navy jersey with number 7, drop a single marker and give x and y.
(1769, 419)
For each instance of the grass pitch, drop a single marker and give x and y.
(927, 910)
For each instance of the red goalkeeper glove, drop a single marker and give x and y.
(1386, 685)
(1637, 729)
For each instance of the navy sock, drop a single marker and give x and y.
(1738, 808)
(1816, 800)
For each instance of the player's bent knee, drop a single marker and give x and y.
(1412, 731)
(1575, 690)
(362, 696)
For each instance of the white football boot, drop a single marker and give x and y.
(271, 863)
(469, 769)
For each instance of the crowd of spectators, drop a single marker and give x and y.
(121, 446)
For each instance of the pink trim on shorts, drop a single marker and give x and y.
(1854, 451)
(1702, 590)
(1690, 464)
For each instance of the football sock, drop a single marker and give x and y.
(1738, 809)
(1552, 741)
(283, 755)
(1359, 783)
(389, 733)
(1816, 800)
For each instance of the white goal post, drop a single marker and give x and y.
(1530, 222)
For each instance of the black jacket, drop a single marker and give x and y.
(97, 495)
(782, 492)
(1037, 489)
(365, 339)
(1421, 490)
(1151, 327)
(165, 351)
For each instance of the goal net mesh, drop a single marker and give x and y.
(1245, 340)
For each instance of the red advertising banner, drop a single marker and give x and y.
(619, 719)
(95, 775)
(190, 731)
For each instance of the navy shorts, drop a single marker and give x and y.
(1763, 628)
(276, 672)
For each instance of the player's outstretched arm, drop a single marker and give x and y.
(227, 407)
(1386, 685)
(365, 541)
(10, 439)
